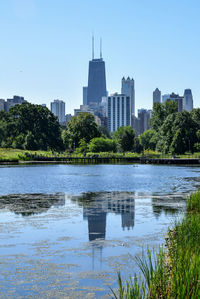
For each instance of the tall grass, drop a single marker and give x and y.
(174, 273)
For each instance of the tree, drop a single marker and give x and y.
(165, 134)
(31, 126)
(101, 144)
(184, 133)
(124, 137)
(160, 113)
(82, 126)
(148, 140)
(178, 133)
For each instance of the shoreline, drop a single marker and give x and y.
(106, 160)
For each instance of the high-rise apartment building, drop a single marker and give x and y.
(188, 100)
(58, 109)
(156, 96)
(128, 88)
(118, 111)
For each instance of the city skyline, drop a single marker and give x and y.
(52, 47)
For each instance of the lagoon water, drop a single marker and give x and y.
(66, 230)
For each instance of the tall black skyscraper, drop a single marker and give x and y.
(96, 79)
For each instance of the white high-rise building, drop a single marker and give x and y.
(128, 88)
(58, 109)
(156, 96)
(118, 111)
(188, 100)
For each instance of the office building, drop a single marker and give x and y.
(58, 109)
(118, 111)
(156, 96)
(2, 105)
(16, 100)
(143, 119)
(188, 100)
(96, 79)
(165, 97)
(85, 89)
(128, 88)
(178, 99)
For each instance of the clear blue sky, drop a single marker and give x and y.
(46, 46)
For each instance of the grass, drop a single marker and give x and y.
(174, 273)
(9, 155)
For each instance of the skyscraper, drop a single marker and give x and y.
(128, 88)
(58, 109)
(188, 100)
(96, 79)
(85, 95)
(156, 96)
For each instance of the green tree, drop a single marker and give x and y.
(160, 113)
(80, 127)
(184, 133)
(165, 134)
(101, 144)
(124, 137)
(27, 122)
(148, 139)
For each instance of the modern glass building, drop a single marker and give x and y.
(96, 82)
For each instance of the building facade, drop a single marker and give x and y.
(188, 100)
(165, 97)
(118, 111)
(156, 96)
(96, 82)
(58, 109)
(128, 88)
(2, 105)
(85, 89)
(143, 120)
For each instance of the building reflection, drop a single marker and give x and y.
(96, 206)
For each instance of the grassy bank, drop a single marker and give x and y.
(175, 272)
(16, 155)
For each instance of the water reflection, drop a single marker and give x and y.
(96, 206)
(167, 205)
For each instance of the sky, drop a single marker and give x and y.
(46, 45)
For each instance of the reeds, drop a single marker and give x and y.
(174, 273)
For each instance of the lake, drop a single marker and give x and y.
(66, 230)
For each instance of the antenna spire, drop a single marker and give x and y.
(92, 46)
(101, 48)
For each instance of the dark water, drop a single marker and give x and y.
(65, 231)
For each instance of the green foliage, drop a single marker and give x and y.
(148, 139)
(124, 137)
(101, 144)
(177, 134)
(160, 113)
(80, 127)
(175, 273)
(30, 126)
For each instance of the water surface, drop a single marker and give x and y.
(66, 230)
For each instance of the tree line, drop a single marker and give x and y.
(34, 127)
